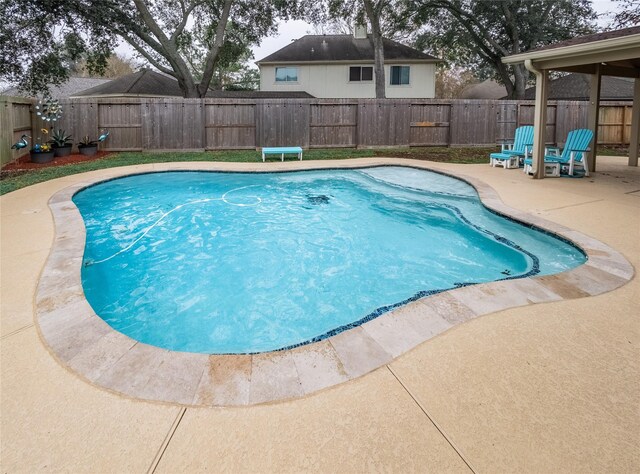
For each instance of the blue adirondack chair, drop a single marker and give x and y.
(574, 154)
(510, 155)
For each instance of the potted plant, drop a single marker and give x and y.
(41, 153)
(87, 146)
(61, 143)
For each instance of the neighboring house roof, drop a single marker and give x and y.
(333, 48)
(576, 87)
(259, 95)
(484, 90)
(70, 88)
(148, 83)
(142, 83)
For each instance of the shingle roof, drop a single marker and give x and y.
(70, 88)
(259, 95)
(484, 90)
(634, 30)
(143, 82)
(342, 48)
(150, 83)
(576, 87)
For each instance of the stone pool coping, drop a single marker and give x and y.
(85, 344)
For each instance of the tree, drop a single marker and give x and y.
(168, 32)
(233, 72)
(117, 66)
(246, 79)
(629, 15)
(478, 34)
(374, 10)
(451, 81)
(332, 26)
(380, 16)
(164, 32)
(40, 39)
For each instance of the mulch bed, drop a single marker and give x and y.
(23, 164)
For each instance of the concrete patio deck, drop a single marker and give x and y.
(551, 387)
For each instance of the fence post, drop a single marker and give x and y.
(6, 130)
(203, 122)
(449, 134)
(634, 138)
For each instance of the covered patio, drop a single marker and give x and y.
(613, 53)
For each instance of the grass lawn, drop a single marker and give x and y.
(12, 179)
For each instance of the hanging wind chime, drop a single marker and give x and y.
(49, 110)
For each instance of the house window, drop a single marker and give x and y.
(399, 75)
(286, 74)
(360, 73)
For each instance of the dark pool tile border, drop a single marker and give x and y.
(85, 344)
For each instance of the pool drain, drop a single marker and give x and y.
(318, 199)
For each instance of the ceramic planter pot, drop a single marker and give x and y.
(41, 157)
(62, 151)
(88, 150)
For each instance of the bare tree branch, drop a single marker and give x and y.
(144, 53)
(186, 12)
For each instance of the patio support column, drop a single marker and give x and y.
(635, 125)
(540, 118)
(594, 108)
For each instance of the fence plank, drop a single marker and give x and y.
(125, 118)
(333, 125)
(437, 116)
(383, 123)
(15, 121)
(506, 119)
(230, 126)
(570, 116)
(283, 122)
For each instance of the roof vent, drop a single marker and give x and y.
(360, 31)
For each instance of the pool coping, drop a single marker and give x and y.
(81, 341)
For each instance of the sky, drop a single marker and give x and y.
(287, 32)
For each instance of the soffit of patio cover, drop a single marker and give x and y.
(618, 53)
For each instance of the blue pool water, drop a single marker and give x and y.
(245, 263)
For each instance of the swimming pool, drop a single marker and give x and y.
(245, 263)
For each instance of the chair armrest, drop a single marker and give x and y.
(506, 144)
(551, 150)
(583, 151)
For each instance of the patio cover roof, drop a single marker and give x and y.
(612, 53)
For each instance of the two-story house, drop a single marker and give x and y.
(341, 66)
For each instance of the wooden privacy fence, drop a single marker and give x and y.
(217, 124)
